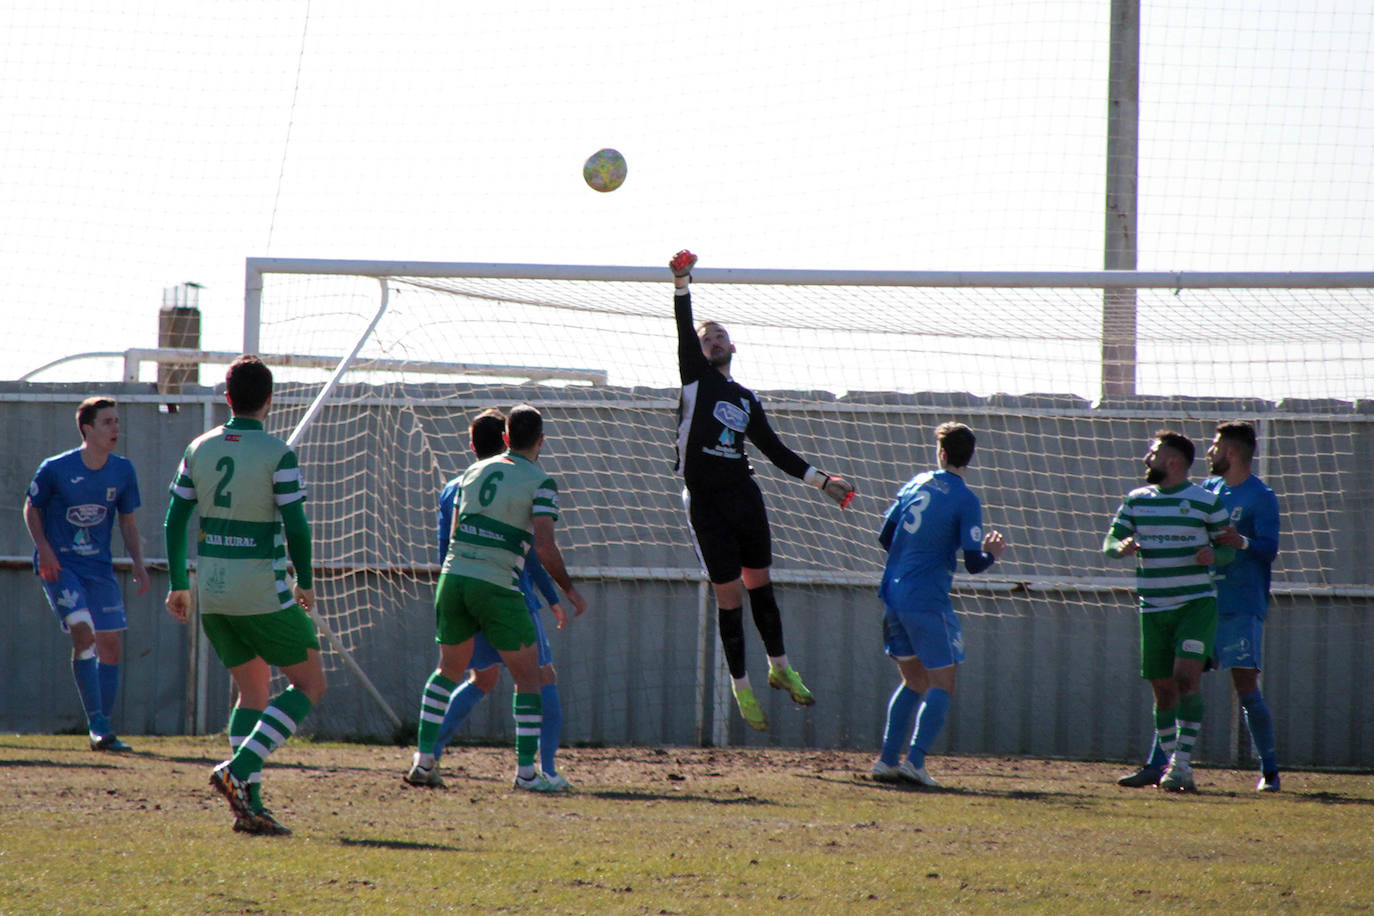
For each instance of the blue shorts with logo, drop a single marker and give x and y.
(1238, 640)
(933, 636)
(484, 656)
(100, 595)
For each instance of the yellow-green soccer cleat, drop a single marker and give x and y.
(788, 679)
(750, 709)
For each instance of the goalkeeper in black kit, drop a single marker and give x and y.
(729, 524)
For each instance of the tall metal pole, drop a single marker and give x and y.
(1123, 157)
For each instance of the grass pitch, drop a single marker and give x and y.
(676, 830)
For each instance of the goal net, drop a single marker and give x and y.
(855, 371)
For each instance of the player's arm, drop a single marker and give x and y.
(48, 564)
(133, 543)
(692, 364)
(447, 499)
(1263, 545)
(174, 527)
(979, 552)
(1120, 540)
(552, 558)
(288, 490)
(540, 581)
(761, 433)
(889, 529)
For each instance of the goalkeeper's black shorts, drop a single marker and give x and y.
(729, 530)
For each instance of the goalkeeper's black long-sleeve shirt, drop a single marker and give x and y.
(715, 414)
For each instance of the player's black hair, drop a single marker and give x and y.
(1239, 433)
(486, 430)
(524, 426)
(87, 409)
(1179, 443)
(248, 384)
(958, 442)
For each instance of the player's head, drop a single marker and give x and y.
(1169, 458)
(715, 343)
(1234, 443)
(247, 385)
(487, 433)
(524, 428)
(956, 442)
(98, 416)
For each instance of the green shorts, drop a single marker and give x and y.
(464, 607)
(1186, 631)
(282, 638)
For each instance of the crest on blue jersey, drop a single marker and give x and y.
(731, 416)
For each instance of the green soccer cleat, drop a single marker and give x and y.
(788, 679)
(750, 709)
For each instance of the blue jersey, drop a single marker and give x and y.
(79, 507)
(934, 516)
(1243, 584)
(532, 577)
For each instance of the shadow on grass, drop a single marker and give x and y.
(625, 795)
(1329, 798)
(407, 845)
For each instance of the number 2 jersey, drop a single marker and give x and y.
(715, 415)
(239, 477)
(934, 516)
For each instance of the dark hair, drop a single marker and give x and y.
(524, 426)
(1179, 443)
(87, 409)
(958, 442)
(486, 431)
(1240, 434)
(248, 383)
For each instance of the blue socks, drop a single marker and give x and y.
(460, 706)
(1158, 759)
(929, 721)
(1261, 729)
(899, 711)
(86, 673)
(109, 687)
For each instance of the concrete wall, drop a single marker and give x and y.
(1051, 632)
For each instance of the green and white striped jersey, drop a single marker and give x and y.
(1170, 526)
(493, 526)
(238, 475)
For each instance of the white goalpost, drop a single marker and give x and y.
(855, 368)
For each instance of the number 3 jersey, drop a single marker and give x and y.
(934, 516)
(239, 476)
(493, 527)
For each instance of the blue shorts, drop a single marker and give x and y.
(1238, 641)
(933, 636)
(484, 656)
(99, 595)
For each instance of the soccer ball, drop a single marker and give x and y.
(605, 170)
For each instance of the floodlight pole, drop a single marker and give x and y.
(1123, 161)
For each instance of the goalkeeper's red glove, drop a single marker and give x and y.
(682, 263)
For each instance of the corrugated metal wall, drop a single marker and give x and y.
(1049, 673)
